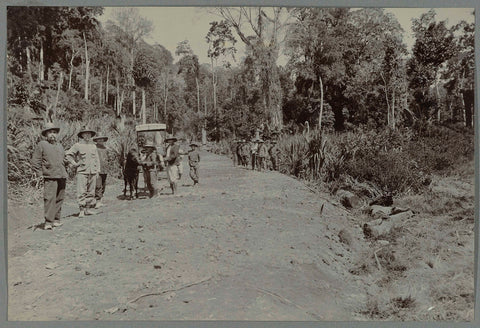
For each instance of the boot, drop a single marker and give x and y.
(81, 214)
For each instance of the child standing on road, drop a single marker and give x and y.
(193, 162)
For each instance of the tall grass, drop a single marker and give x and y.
(387, 162)
(23, 135)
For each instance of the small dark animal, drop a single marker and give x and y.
(130, 172)
(384, 200)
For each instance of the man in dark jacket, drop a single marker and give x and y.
(102, 175)
(48, 161)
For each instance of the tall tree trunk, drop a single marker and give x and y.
(132, 82)
(54, 110)
(144, 108)
(29, 65)
(120, 103)
(321, 104)
(100, 92)
(204, 127)
(41, 71)
(87, 68)
(70, 74)
(393, 108)
(386, 99)
(198, 95)
(134, 109)
(437, 95)
(165, 93)
(106, 85)
(214, 84)
(117, 98)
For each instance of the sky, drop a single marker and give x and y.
(175, 24)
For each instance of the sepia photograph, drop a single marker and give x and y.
(254, 163)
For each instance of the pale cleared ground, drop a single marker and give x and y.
(242, 245)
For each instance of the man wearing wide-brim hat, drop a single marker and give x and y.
(274, 153)
(101, 182)
(193, 162)
(149, 164)
(233, 151)
(83, 156)
(254, 152)
(48, 161)
(172, 160)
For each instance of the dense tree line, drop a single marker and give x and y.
(345, 68)
(351, 102)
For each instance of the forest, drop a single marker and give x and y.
(351, 104)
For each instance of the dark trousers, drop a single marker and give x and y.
(100, 185)
(151, 181)
(194, 173)
(54, 193)
(274, 162)
(254, 161)
(261, 163)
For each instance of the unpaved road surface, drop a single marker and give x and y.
(242, 245)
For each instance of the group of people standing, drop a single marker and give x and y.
(259, 154)
(172, 161)
(88, 157)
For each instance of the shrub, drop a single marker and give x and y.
(395, 161)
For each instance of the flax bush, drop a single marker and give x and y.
(23, 135)
(381, 159)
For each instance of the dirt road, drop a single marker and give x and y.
(242, 245)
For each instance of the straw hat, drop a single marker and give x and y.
(194, 144)
(149, 145)
(85, 129)
(100, 138)
(49, 127)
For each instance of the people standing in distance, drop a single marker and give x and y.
(181, 153)
(101, 182)
(48, 161)
(253, 152)
(233, 150)
(274, 152)
(245, 153)
(194, 162)
(84, 157)
(262, 155)
(172, 160)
